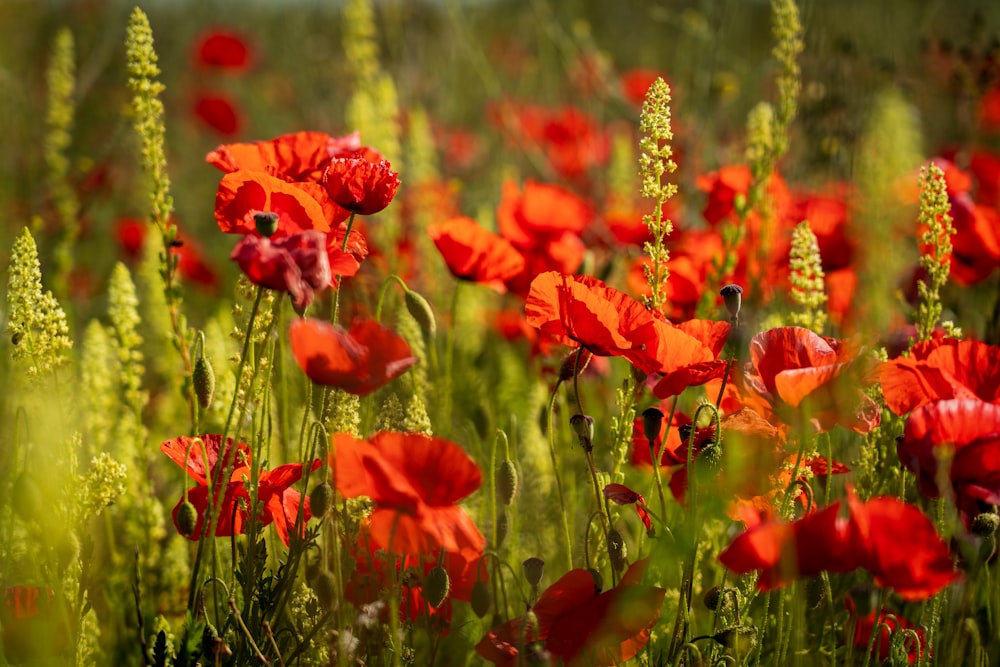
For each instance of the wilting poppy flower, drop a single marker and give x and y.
(622, 495)
(801, 373)
(940, 369)
(359, 184)
(295, 157)
(579, 624)
(224, 49)
(898, 544)
(358, 360)
(218, 112)
(297, 264)
(244, 194)
(32, 624)
(969, 430)
(476, 254)
(416, 483)
(279, 502)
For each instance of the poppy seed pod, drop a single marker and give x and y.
(985, 524)
(203, 380)
(266, 223)
(732, 297)
(480, 598)
(507, 482)
(652, 421)
(533, 569)
(420, 310)
(436, 586)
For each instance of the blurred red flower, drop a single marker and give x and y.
(297, 264)
(476, 254)
(540, 211)
(360, 182)
(939, 369)
(888, 623)
(279, 502)
(635, 83)
(218, 112)
(130, 234)
(34, 626)
(359, 360)
(223, 49)
(416, 483)
(579, 624)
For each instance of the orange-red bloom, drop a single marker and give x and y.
(360, 182)
(476, 254)
(579, 624)
(297, 264)
(295, 157)
(359, 360)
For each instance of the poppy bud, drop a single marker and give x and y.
(533, 569)
(436, 586)
(507, 481)
(617, 550)
(732, 297)
(720, 599)
(570, 367)
(266, 223)
(741, 638)
(203, 379)
(421, 311)
(26, 498)
(325, 588)
(583, 425)
(187, 519)
(320, 499)
(209, 640)
(985, 524)
(652, 421)
(480, 598)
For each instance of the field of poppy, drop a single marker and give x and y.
(527, 346)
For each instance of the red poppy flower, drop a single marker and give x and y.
(223, 49)
(635, 84)
(218, 112)
(279, 502)
(803, 374)
(296, 157)
(359, 360)
(415, 482)
(243, 194)
(691, 355)
(579, 624)
(359, 184)
(976, 242)
(940, 369)
(898, 544)
(542, 211)
(640, 444)
(476, 254)
(622, 495)
(297, 264)
(34, 626)
(969, 429)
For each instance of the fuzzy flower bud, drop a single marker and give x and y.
(320, 499)
(203, 380)
(480, 598)
(187, 519)
(325, 587)
(507, 482)
(421, 311)
(985, 524)
(436, 586)
(741, 638)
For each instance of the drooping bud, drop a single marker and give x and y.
(266, 223)
(617, 550)
(583, 425)
(480, 598)
(320, 499)
(203, 380)
(574, 363)
(720, 598)
(325, 588)
(533, 569)
(187, 519)
(732, 297)
(507, 482)
(436, 586)
(421, 311)
(652, 421)
(740, 638)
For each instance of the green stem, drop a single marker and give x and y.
(563, 514)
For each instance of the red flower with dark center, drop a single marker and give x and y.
(218, 112)
(359, 360)
(297, 264)
(279, 502)
(296, 157)
(940, 369)
(804, 375)
(476, 254)
(360, 185)
(243, 194)
(223, 49)
(416, 483)
(579, 624)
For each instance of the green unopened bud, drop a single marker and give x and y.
(266, 223)
(187, 519)
(480, 598)
(421, 311)
(583, 425)
(325, 588)
(533, 569)
(507, 482)
(740, 638)
(652, 422)
(436, 586)
(985, 524)
(617, 550)
(203, 379)
(320, 499)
